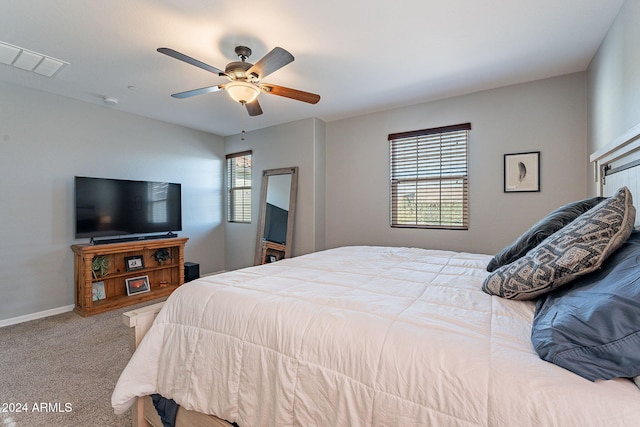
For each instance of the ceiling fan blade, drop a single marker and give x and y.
(189, 60)
(195, 92)
(253, 108)
(272, 61)
(298, 95)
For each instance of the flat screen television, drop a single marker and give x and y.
(115, 207)
(275, 224)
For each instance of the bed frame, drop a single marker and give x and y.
(614, 167)
(143, 413)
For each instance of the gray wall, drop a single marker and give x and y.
(614, 81)
(299, 144)
(547, 115)
(45, 140)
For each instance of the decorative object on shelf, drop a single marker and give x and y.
(522, 172)
(137, 285)
(100, 266)
(132, 263)
(161, 255)
(98, 291)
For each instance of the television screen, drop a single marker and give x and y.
(115, 207)
(275, 224)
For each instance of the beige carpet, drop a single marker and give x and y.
(61, 370)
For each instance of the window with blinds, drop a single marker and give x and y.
(239, 187)
(157, 194)
(429, 182)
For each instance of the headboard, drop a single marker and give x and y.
(616, 165)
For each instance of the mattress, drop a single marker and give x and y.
(361, 335)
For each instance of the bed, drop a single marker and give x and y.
(383, 336)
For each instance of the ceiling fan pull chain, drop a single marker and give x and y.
(242, 108)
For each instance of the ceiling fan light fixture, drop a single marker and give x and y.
(242, 92)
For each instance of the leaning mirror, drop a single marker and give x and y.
(277, 211)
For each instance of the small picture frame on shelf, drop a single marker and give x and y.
(271, 258)
(522, 172)
(97, 291)
(137, 285)
(132, 263)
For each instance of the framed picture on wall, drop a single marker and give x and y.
(522, 172)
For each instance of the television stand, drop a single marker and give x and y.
(272, 251)
(163, 277)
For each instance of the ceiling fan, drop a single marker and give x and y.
(245, 78)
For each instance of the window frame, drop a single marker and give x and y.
(436, 181)
(233, 206)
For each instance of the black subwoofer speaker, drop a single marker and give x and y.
(191, 271)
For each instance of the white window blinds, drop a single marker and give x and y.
(239, 187)
(429, 182)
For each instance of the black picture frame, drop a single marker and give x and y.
(137, 285)
(133, 263)
(522, 172)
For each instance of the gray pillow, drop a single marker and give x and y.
(576, 249)
(542, 229)
(592, 326)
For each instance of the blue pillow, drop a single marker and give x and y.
(592, 326)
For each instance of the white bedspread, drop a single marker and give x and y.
(362, 336)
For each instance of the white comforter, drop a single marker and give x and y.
(361, 336)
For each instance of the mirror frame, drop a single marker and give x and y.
(293, 171)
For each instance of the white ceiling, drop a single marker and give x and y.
(360, 56)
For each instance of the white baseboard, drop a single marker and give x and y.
(35, 316)
(59, 310)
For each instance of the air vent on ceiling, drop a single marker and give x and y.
(29, 60)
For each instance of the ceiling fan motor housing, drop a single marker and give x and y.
(238, 69)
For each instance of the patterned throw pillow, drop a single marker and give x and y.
(542, 229)
(576, 249)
